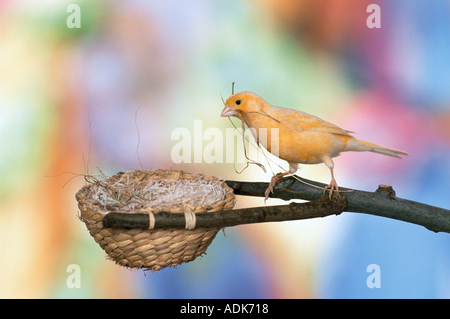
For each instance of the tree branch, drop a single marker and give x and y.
(382, 202)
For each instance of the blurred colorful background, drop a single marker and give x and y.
(74, 99)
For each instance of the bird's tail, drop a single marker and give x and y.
(361, 146)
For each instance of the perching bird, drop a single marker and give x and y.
(303, 138)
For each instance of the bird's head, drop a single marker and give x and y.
(243, 102)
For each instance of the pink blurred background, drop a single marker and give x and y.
(70, 101)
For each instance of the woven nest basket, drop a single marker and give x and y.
(150, 192)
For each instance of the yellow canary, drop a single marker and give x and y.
(303, 138)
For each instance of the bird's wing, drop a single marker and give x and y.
(300, 121)
(331, 128)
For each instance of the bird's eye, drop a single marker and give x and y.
(238, 102)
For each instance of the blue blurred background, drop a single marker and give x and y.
(71, 100)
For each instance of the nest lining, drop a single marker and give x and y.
(130, 195)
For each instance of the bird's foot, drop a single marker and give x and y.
(275, 179)
(332, 186)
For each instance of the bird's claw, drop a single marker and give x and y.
(332, 186)
(275, 179)
(267, 193)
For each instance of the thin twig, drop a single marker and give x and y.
(294, 211)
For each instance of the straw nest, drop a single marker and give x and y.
(151, 192)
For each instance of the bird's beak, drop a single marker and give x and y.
(228, 111)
